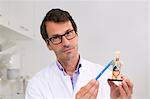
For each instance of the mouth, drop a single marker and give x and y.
(66, 50)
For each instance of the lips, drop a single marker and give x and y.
(67, 49)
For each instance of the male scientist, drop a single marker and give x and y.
(71, 76)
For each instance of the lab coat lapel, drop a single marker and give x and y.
(66, 81)
(83, 78)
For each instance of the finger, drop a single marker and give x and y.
(111, 84)
(91, 91)
(126, 88)
(114, 89)
(122, 92)
(86, 88)
(129, 84)
(95, 93)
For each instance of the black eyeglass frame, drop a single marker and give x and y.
(60, 36)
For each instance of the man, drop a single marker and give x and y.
(71, 76)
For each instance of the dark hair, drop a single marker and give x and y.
(57, 16)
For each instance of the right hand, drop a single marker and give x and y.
(89, 91)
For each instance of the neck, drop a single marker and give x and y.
(70, 65)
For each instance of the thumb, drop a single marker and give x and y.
(111, 83)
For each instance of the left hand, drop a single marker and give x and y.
(123, 91)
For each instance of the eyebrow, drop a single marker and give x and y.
(62, 34)
(55, 35)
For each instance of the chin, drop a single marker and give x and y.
(69, 56)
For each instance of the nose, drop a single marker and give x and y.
(65, 41)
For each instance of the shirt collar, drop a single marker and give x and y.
(62, 69)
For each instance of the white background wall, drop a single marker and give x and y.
(104, 27)
(149, 46)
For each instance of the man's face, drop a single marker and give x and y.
(67, 49)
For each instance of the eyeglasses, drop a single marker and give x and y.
(57, 39)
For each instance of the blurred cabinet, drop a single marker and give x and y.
(18, 15)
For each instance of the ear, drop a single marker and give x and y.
(49, 46)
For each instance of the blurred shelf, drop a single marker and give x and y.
(12, 35)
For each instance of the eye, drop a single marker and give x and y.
(68, 33)
(56, 38)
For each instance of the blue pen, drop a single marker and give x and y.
(99, 75)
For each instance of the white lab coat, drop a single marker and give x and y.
(50, 83)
